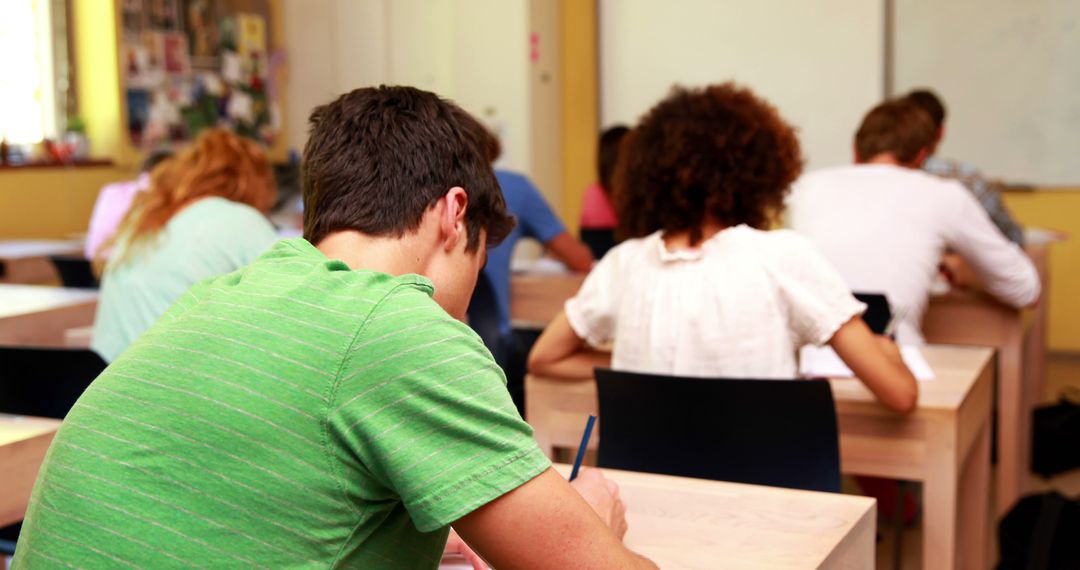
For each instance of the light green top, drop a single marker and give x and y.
(208, 238)
(291, 414)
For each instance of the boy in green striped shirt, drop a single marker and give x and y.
(325, 406)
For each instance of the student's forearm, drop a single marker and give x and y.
(576, 255)
(577, 366)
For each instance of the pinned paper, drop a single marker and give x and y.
(232, 68)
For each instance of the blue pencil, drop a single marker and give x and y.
(581, 449)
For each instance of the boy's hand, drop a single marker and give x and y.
(602, 495)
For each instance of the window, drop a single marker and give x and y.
(34, 84)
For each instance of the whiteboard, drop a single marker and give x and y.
(1009, 74)
(819, 62)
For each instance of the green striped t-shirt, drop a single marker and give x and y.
(293, 413)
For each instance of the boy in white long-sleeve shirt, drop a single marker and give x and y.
(885, 225)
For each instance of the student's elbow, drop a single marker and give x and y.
(539, 361)
(905, 399)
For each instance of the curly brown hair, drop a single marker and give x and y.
(718, 151)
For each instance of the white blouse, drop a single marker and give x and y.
(739, 306)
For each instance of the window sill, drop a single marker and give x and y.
(86, 163)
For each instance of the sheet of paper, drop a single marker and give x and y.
(454, 562)
(823, 362)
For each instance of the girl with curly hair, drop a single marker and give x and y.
(203, 215)
(701, 286)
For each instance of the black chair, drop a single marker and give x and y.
(878, 314)
(598, 241)
(75, 271)
(765, 432)
(45, 381)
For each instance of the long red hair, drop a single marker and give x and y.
(219, 163)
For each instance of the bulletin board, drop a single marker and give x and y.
(188, 65)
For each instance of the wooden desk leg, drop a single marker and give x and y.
(975, 524)
(1014, 438)
(1035, 358)
(940, 496)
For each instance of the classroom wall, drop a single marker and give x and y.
(472, 51)
(1057, 209)
(819, 62)
(51, 203)
(1008, 74)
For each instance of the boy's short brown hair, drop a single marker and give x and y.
(378, 157)
(899, 127)
(931, 103)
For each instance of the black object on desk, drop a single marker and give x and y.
(878, 314)
(75, 271)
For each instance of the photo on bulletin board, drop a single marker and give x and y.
(189, 65)
(201, 27)
(175, 53)
(164, 15)
(132, 18)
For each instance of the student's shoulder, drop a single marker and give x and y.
(632, 251)
(515, 184)
(406, 319)
(223, 210)
(825, 176)
(782, 242)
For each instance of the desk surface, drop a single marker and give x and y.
(24, 299)
(694, 523)
(956, 368)
(14, 429)
(23, 443)
(535, 299)
(21, 248)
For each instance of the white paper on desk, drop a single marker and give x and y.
(823, 362)
(453, 562)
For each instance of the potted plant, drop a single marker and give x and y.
(76, 139)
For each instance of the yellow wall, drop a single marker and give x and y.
(51, 202)
(579, 102)
(1057, 210)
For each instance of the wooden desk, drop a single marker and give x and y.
(535, 299)
(695, 523)
(976, 319)
(23, 442)
(27, 261)
(945, 443)
(32, 315)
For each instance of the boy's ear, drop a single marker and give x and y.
(920, 158)
(452, 222)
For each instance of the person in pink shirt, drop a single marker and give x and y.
(598, 219)
(114, 201)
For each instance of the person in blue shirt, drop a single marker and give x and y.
(489, 310)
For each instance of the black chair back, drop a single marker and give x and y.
(598, 241)
(878, 314)
(75, 271)
(765, 432)
(45, 381)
